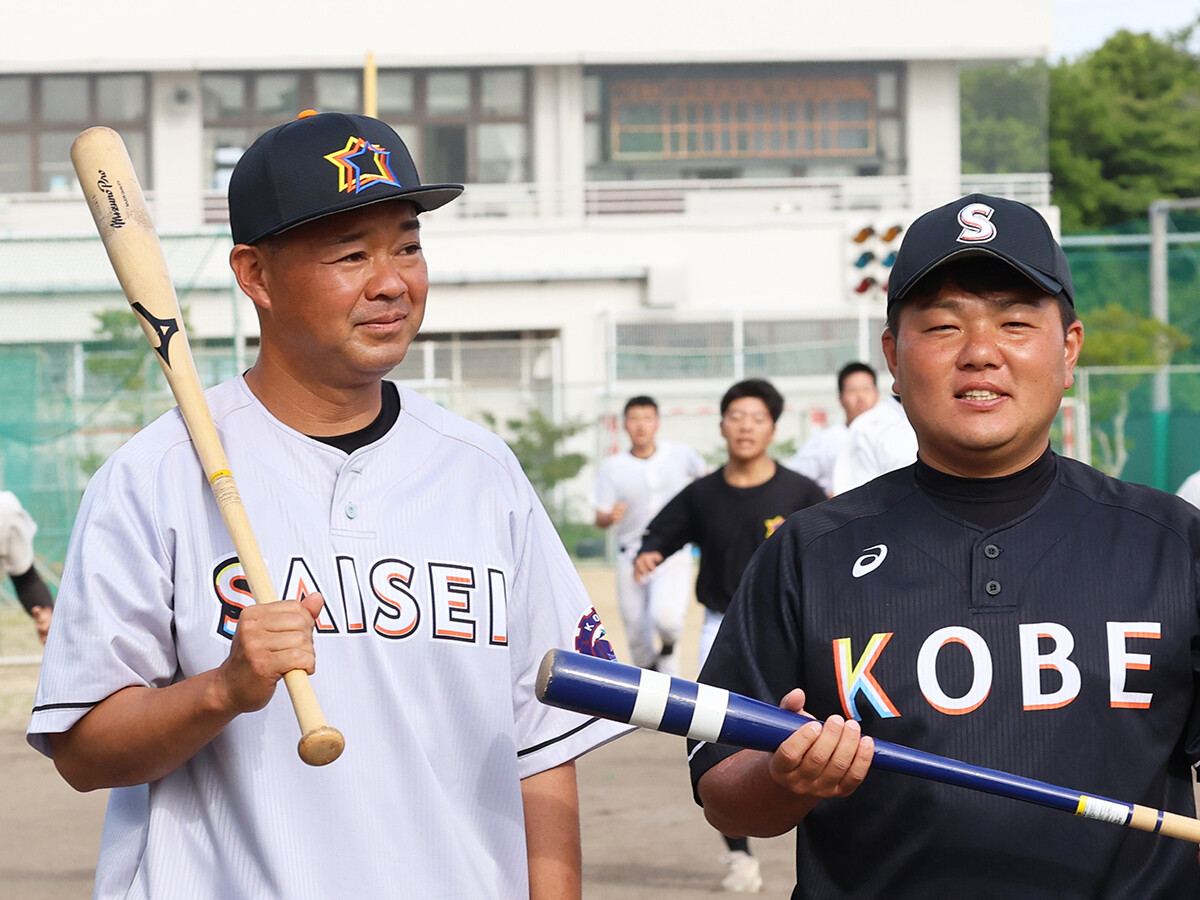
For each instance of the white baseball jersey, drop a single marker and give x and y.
(444, 585)
(1190, 489)
(645, 485)
(816, 458)
(17, 529)
(880, 440)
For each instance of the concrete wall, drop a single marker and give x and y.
(151, 34)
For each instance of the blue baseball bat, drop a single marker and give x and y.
(652, 700)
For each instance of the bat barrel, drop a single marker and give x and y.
(702, 712)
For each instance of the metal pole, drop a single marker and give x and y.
(1161, 415)
(370, 86)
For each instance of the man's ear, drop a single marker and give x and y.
(249, 267)
(891, 355)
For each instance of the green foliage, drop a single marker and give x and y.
(1117, 337)
(118, 356)
(1114, 336)
(1124, 121)
(1004, 117)
(535, 440)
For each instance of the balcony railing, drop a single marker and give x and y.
(48, 213)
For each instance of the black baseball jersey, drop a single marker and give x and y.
(1060, 646)
(728, 524)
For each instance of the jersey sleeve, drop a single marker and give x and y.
(113, 620)
(603, 496)
(758, 650)
(1190, 489)
(808, 459)
(17, 529)
(549, 608)
(673, 527)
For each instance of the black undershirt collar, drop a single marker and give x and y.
(989, 502)
(389, 412)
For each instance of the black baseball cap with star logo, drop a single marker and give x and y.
(320, 164)
(981, 225)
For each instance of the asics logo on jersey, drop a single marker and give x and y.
(976, 222)
(872, 558)
(361, 164)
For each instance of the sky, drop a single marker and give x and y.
(1083, 25)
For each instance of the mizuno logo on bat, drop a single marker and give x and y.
(164, 328)
(116, 221)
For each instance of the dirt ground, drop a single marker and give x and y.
(643, 838)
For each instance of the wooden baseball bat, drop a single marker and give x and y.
(119, 208)
(652, 700)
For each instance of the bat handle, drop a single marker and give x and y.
(320, 743)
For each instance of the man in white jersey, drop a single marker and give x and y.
(879, 441)
(411, 558)
(1190, 489)
(630, 488)
(857, 393)
(17, 529)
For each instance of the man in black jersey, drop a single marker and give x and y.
(728, 515)
(993, 602)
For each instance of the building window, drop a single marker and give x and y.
(732, 118)
(467, 125)
(770, 348)
(40, 115)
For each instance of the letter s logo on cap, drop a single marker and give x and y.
(976, 220)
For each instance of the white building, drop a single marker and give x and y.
(662, 196)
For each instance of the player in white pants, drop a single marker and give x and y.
(631, 487)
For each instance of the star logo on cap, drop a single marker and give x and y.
(361, 164)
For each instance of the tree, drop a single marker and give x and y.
(1123, 127)
(1004, 117)
(535, 441)
(1117, 337)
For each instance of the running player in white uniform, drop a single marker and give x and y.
(631, 487)
(17, 529)
(412, 560)
(857, 394)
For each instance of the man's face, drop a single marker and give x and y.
(982, 378)
(859, 394)
(747, 429)
(343, 296)
(641, 423)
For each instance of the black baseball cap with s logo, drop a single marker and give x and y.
(320, 164)
(982, 225)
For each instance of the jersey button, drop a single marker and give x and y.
(992, 587)
(991, 551)
(351, 510)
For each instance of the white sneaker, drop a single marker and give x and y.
(744, 876)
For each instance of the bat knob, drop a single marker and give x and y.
(321, 746)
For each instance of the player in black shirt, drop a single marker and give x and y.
(993, 603)
(728, 515)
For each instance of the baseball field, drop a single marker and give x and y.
(643, 837)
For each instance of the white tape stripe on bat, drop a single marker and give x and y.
(709, 718)
(651, 703)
